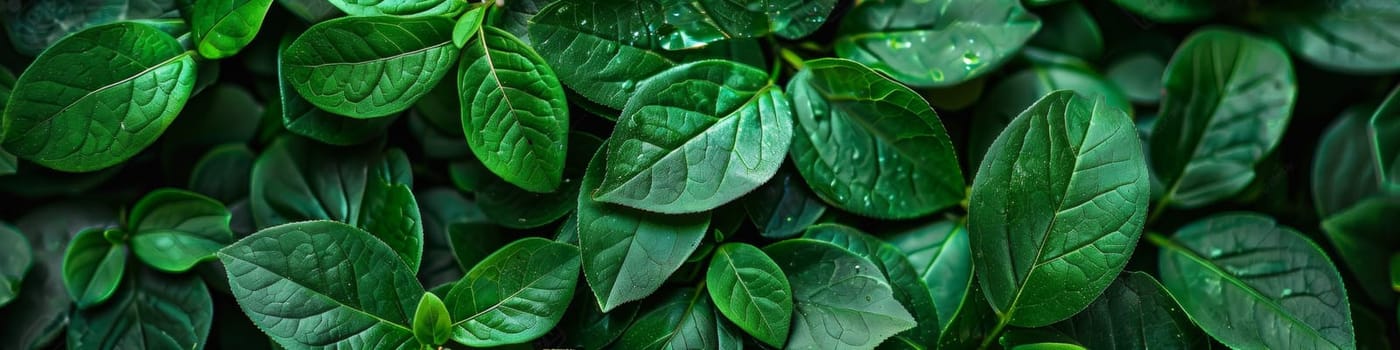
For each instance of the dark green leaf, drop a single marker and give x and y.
(682, 319)
(36, 25)
(750, 289)
(942, 256)
(909, 289)
(1364, 236)
(311, 11)
(601, 49)
(971, 323)
(869, 145)
(441, 208)
(93, 267)
(41, 312)
(1170, 11)
(699, 23)
(369, 67)
(472, 241)
(783, 207)
(585, 326)
(1057, 208)
(151, 311)
(223, 27)
(223, 173)
(513, 207)
(1385, 124)
(1069, 28)
(834, 289)
(172, 230)
(302, 118)
(8, 163)
(1355, 36)
(1139, 75)
(517, 17)
(422, 8)
(1135, 312)
(432, 325)
(15, 262)
(935, 42)
(516, 294)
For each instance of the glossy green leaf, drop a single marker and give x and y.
(151, 311)
(935, 42)
(93, 267)
(681, 319)
(223, 173)
(783, 207)
(1038, 339)
(513, 207)
(296, 180)
(603, 50)
(629, 253)
(699, 23)
(223, 27)
(323, 284)
(1228, 98)
(1355, 36)
(515, 117)
(468, 26)
(518, 16)
(302, 118)
(1170, 11)
(909, 289)
(696, 137)
(836, 289)
(750, 289)
(942, 256)
(34, 26)
(515, 295)
(586, 326)
(369, 67)
(113, 108)
(172, 230)
(15, 262)
(1135, 312)
(432, 325)
(419, 8)
(1251, 283)
(869, 145)
(1057, 208)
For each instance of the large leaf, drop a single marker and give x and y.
(935, 42)
(1228, 98)
(834, 289)
(1057, 208)
(296, 180)
(151, 311)
(515, 118)
(513, 207)
(942, 256)
(1135, 312)
(909, 289)
(869, 145)
(699, 23)
(783, 207)
(368, 67)
(628, 253)
(223, 27)
(41, 312)
(16, 261)
(35, 25)
(98, 97)
(515, 295)
(1170, 11)
(1251, 283)
(423, 8)
(695, 137)
(682, 319)
(302, 118)
(93, 266)
(750, 289)
(323, 284)
(172, 230)
(1356, 36)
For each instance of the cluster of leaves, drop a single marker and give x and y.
(699, 174)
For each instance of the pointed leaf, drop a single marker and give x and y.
(432, 324)
(836, 289)
(300, 117)
(683, 319)
(698, 23)
(1135, 312)
(515, 295)
(603, 49)
(1354, 36)
(223, 27)
(750, 289)
(909, 289)
(942, 256)
(369, 67)
(172, 230)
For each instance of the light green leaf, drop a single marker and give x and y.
(93, 266)
(682, 319)
(468, 26)
(515, 295)
(1057, 208)
(869, 145)
(942, 256)
(1228, 99)
(133, 81)
(935, 43)
(416, 8)
(1135, 312)
(15, 262)
(750, 289)
(515, 117)
(783, 207)
(302, 118)
(369, 67)
(172, 230)
(223, 27)
(1352, 36)
(432, 325)
(699, 23)
(1170, 11)
(323, 284)
(1251, 283)
(695, 137)
(836, 289)
(151, 311)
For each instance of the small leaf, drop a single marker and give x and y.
(15, 261)
(468, 25)
(515, 295)
(370, 67)
(93, 267)
(223, 27)
(416, 8)
(750, 289)
(935, 43)
(172, 230)
(836, 289)
(909, 289)
(603, 50)
(151, 311)
(432, 324)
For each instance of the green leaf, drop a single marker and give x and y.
(586, 326)
(603, 50)
(323, 284)
(1170, 11)
(441, 209)
(15, 262)
(311, 11)
(1228, 97)
(1346, 168)
(699, 23)
(223, 173)
(783, 207)
(223, 27)
(369, 67)
(1050, 240)
(432, 325)
(8, 163)
(869, 145)
(681, 319)
(172, 230)
(515, 119)
(1364, 236)
(1070, 29)
(468, 25)
(1351, 36)
(836, 289)
(1384, 124)
(751, 290)
(416, 8)
(518, 16)
(1139, 76)
(515, 295)
(696, 137)
(40, 314)
(473, 241)
(132, 82)
(296, 180)
(152, 311)
(1251, 283)
(93, 266)
(302, 118)
(972, 322)
(513, 207)
(935, 42)
(629, 253)
(34, 26)
(908, 287)
(942, 256)
(1135, 312)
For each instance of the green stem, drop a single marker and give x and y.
(1158, 208)
(1160, 240)
(996, 332)
(792, 58)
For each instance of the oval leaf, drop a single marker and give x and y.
(909, 289)
(1135, 312)
(152, 311)
(172, 230)
(300, 117)
(1355, 36)
(751, 290)
(516, 294)
(602, 49)
(934, 43)
(432, 324)
(836, 289)
(368, 67)
(93, 267)
(223, 27)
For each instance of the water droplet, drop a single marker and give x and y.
(970, 58)
(628, 85)
(936, 74)
(789, 219)
(1215, 252)
(1286, 292)
(583, 22)
(855, 155)
(867, 298)
(520, 220)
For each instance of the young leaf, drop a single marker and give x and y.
(1355, 36)
(515, 117)
(603, 50)
(223, 27)
(323, 284)
(15, 262)
(682, 319)
(172, 230)
(1251, 283)
(432, 325)
(751, 290)
(942, 256)
(695, 137)
(93, 266)
(935, 42)
(1170, 11)
(1057, 208)
(836, 289)
(1228, 97)
(302, 118)
(468, 26)
(699, 23)
(515, 295)
(869, 145)
(132, 81)
(629, 253)
(783, 207)
(369, 67)
(909, 289)
(1135, 312)
(152, 311)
